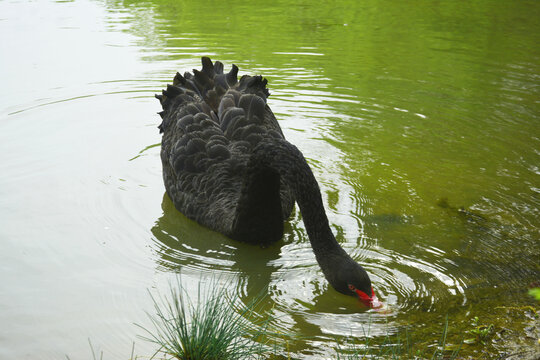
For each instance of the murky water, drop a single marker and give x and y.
(421, 124)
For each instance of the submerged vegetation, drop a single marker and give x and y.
(394, 347)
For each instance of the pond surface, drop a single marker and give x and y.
(420, 120)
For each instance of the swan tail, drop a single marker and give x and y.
(220, 91)
(207, 85)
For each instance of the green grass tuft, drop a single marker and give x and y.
(215, 325)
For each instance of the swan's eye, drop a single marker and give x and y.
(352, 287)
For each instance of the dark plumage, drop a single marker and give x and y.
(227, 165)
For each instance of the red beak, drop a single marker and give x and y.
(369, 301)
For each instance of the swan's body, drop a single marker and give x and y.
(227, 165)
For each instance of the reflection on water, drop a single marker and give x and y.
(420, 123)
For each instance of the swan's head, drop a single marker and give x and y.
(370, 301)
(351, 279)
(359, 285)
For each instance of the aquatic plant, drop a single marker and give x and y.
(215, 325)
(480, 333)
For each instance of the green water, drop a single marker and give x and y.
(420, 120)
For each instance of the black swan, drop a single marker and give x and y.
(227, 165)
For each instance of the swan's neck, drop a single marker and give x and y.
(329, 254)
(308, 197)
(290, 164)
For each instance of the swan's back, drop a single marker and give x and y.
(211, 124)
